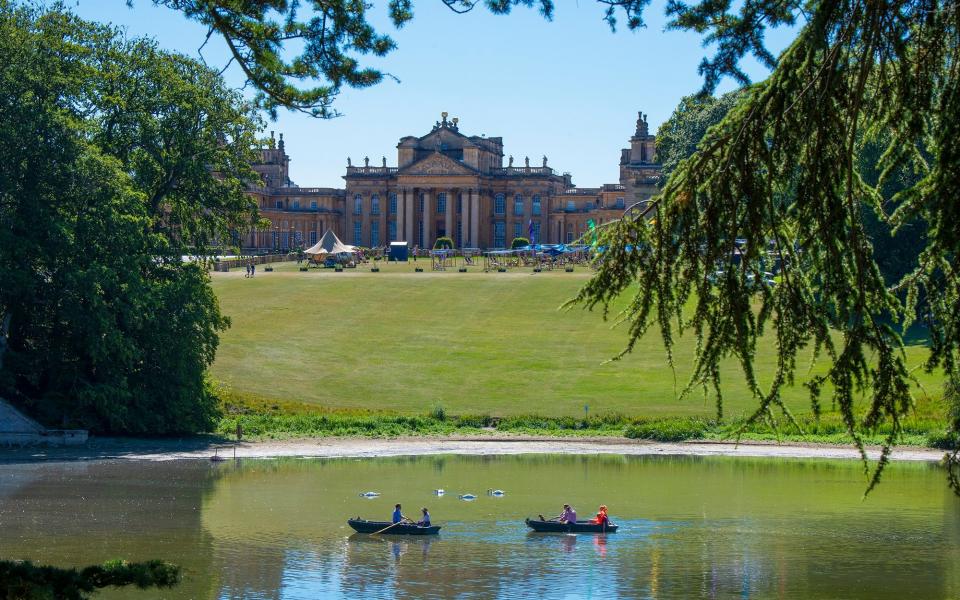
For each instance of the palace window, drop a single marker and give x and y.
(518, 205)
(459, 233)
(375, 204)
(420, 233)
(296, 204)
(618, 203)
(459, 203)
(571, 206)
(313, 204)
(536, 205)
(393, 231)
(313, 238)
(499, 234)
(536, 233)
(569, 237)
(393, 203)
(517, 229)
(499, 204)
(357, 233)
(375, 233)
(441, 203)
(279, 204)
(420, 206)
(358, 205)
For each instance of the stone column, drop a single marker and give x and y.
(451, 198)
(475, 219)
(409, 196)
(465, 218)
(428, 222)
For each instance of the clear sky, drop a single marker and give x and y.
(568, 89)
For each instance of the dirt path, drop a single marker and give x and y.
(201, 448)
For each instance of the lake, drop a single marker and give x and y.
(710, 527)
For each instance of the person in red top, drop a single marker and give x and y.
(601, 518)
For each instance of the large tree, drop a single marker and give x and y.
(119, 159)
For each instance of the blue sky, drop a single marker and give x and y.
(569, 89)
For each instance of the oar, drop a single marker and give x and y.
(386, 528)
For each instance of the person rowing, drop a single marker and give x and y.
(568, 516)
(398, 516)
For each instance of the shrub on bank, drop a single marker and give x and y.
(669, 430)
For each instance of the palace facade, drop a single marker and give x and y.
(448, 184)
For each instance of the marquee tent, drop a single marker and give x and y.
(330, 244)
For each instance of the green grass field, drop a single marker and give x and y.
(473, 343)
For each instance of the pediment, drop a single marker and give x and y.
(437, 164)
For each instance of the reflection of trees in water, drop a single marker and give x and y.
(82, 513)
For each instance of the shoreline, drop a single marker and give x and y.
(203, 448)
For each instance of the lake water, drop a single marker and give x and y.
(690, 527)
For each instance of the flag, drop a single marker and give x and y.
(530, 231)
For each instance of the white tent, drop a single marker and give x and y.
(330, 244)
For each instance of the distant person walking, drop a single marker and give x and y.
(253, 269)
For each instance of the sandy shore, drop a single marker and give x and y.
(199, 448)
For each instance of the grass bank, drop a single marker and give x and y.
(262, 418)
(398, 343)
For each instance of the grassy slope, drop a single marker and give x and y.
(490, 343)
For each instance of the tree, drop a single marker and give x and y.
(127, 159)
(679, 136)
(26, 581)
(783, 172)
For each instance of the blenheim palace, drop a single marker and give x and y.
(446, 184)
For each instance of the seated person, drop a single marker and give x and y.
(601, 518)
(568, 516)
(398, 516)
(425, 521)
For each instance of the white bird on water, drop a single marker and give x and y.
(370, 494)
(467, 497)
(497, 493)
(439, 492)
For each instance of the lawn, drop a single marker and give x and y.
(480, 343)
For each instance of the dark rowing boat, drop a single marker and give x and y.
(579, 527)
(364, 526)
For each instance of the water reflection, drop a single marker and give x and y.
(689, 527)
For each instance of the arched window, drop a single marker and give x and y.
(358, 204)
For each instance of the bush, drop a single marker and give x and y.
(669, 430)
(439, 413)
(519, 242)
(443, 243)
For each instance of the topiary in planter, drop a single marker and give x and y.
(443, 243)
(519, 242)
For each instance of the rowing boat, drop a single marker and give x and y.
(365, 526)
(578, 527)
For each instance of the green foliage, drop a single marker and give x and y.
(284, 47)
(680, 135)
(26, 581)
(519, 242)
(670, 429)
(782, 171)
(128, 158)
(443, 243)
